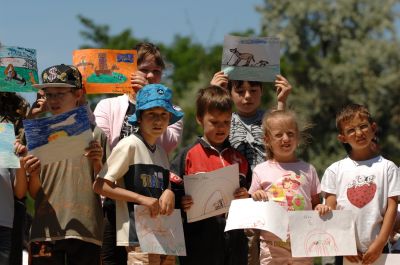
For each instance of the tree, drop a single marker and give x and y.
(336, 52)
(190, 66)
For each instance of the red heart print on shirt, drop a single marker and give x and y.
(361, 190)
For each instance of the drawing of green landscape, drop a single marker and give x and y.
(27, 78)
(114, 78)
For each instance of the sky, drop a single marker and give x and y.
(52, 27)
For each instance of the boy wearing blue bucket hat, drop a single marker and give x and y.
(140, 169)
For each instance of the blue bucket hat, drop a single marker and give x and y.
(152, 96)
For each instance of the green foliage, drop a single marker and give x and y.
(333, 53)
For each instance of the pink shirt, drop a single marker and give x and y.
(290, 184)
(110, 113)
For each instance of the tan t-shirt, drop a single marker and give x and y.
(66, 205)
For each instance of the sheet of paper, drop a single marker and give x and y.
(212, 192)
(59, 137)
(268, 216)
(252, 59)
(18, 69)
(384, 259)
(160, 235)
(8, 159)
(314, 236)
(106, 71)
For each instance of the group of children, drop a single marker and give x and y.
(143, 127)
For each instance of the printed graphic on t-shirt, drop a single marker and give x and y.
(361, 190)
(153, 181)
(286, 191)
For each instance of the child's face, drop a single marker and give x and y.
(247, 98)
(283, 138)
(151, 70)
(216, 126)
(61, 99)
(358, 133)
(153, 123)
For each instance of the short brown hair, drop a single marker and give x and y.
(350, 111)
(239, 83)
(213, 98)
(145, 49)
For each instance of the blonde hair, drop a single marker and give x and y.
(301, 130)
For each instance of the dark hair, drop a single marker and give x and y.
(13, 109)
(238, 83)
(213, 98)
(12, 106)
(349, 112)
(145, 49)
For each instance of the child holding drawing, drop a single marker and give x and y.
(285, 179)
(67, 225)
(206, 242)
(363, 182)
(137, 171)
(246, 133)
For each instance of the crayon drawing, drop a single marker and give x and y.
(59, 137)
(212, 192)
(8, 159)
(253, 59)
(160, 235)
(320, 243)
(18, 69)
(312, 235)
(105, 71)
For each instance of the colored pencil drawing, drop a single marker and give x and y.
(58, 137)
(105, 71)
(160, 235)
(8, 159)
(212, 192)
(18, 69)
(311, 235)
(253, 59)
(320, 243)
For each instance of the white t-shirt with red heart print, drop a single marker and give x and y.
(363, 187)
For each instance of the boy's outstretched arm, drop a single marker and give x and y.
(220, 79)
(283, 89)
(375, 249)
(111, 190)
(20, 181)
(94, 152)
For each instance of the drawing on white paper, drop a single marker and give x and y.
(212, 192)
(311, 235)
(249, 58)
(268, 216)
(160, 235)
(320, 243)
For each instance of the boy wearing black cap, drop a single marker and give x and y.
(140, 169)
(67, 226)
